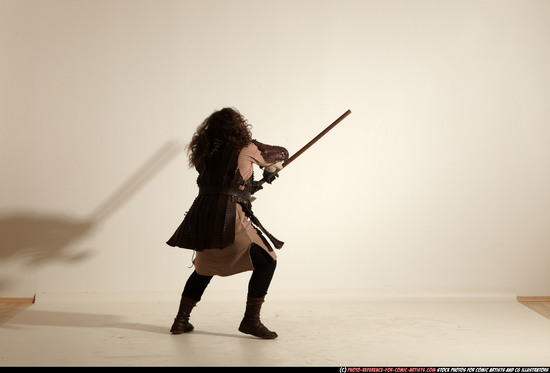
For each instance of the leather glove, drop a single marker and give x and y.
(255, 187)
(269, 177)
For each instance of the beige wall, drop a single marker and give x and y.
(440, 177)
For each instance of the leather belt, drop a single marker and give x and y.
(241, 196)
(225, 191)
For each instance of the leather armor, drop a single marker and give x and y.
(210, 222)
(272, 153)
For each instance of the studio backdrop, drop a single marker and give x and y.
(438, 179)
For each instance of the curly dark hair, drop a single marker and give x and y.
(223, 126)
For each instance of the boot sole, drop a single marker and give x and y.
(258, 336)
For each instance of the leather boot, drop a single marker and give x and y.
(181, 322)
(251, 323)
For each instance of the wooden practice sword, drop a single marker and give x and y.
(309, 144)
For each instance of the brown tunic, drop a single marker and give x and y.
(235, 258)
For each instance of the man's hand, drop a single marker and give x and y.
(269, 177)
(255, 187)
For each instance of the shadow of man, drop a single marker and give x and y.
(37, 238)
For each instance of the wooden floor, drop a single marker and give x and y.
(541, 306)
(10, 308)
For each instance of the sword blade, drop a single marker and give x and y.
(313, 141)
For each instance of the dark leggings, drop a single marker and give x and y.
(264, 267)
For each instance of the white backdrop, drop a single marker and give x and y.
(439, 179)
